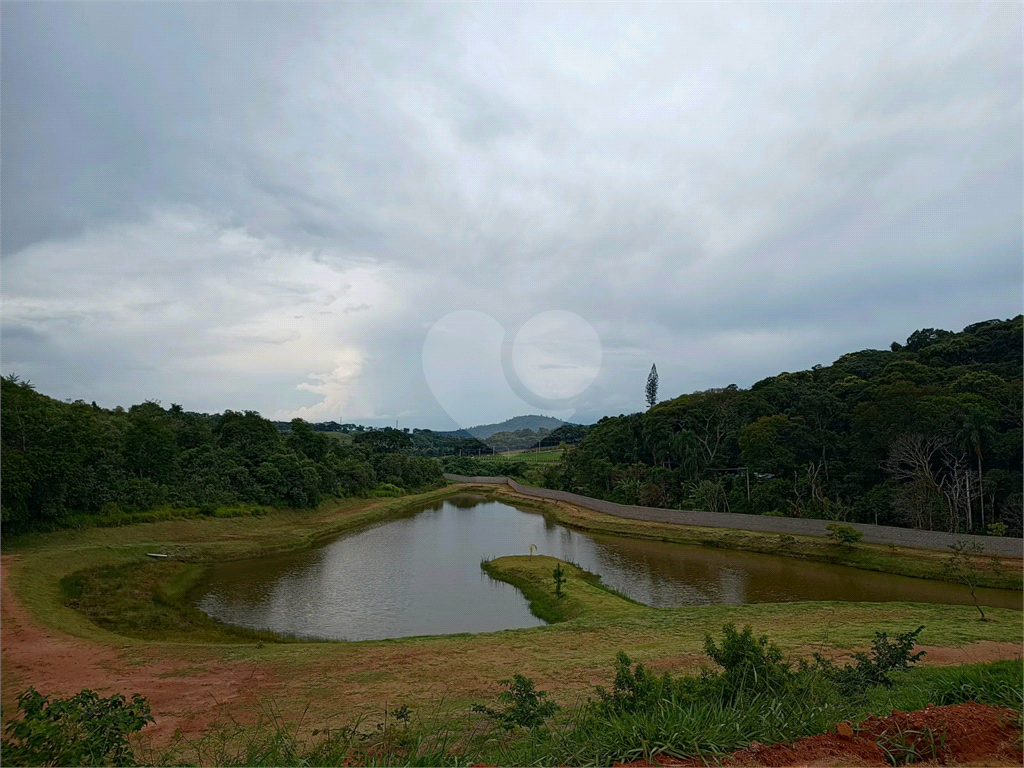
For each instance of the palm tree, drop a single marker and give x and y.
(971, 429)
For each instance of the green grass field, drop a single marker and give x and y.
(541, 457)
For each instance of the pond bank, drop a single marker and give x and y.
(997, 573)
(873, 534)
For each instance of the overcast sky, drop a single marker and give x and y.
(445, 214)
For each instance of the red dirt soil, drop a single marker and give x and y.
(963, 735)
(60, 665)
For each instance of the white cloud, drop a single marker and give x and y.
(189, 296)
(333, 388)
(276, 208)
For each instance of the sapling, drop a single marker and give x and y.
(964, 566)
(560, 579)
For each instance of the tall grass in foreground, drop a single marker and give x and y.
(681, 729)
(713, 727)
(1000, 683)
(401, 738)
(642, 719)
(754, 695)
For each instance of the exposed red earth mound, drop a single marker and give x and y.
(961, 735)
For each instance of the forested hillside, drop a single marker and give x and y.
(75, 463)
(926, 435)
(530, 423)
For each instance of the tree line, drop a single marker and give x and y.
(428, 443)
(925, 435)
(68, 464)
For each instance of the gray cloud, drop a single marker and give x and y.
(269, 206)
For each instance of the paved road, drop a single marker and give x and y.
(873, 534)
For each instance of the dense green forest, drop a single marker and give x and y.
(924, 435)
(457, 444)
(426, 442)
(67, 464)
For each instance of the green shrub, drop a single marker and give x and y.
(752, 665)
(526, 707)
(998, 529)
(634, 690)
(843, 534)
(886, 658)
(82, 730)
(631, 689)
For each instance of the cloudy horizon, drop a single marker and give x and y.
(452, 214)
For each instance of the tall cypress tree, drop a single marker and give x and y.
(652, 386)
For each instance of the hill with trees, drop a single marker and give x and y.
(71, 464)
(926, 435)
(531, 423)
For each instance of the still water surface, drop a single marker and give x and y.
(420, 575)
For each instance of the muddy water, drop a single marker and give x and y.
(420, 575)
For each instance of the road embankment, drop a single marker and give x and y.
(993, 570)
(873, 534)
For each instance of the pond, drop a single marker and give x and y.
(420, 575)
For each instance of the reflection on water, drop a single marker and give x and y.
(420, 575)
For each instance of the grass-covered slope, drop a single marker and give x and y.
(996, 573)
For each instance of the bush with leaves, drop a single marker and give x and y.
(637, 688)
(997, 529)
(631, 689)
(82, 730)
(526, 707)
(843, 534)
(751, 664)
(887, 656)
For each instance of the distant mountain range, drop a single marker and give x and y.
(481, 432)
(534, 423)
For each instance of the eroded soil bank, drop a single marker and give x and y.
(961, 734)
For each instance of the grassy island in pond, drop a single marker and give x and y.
(582, 592)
